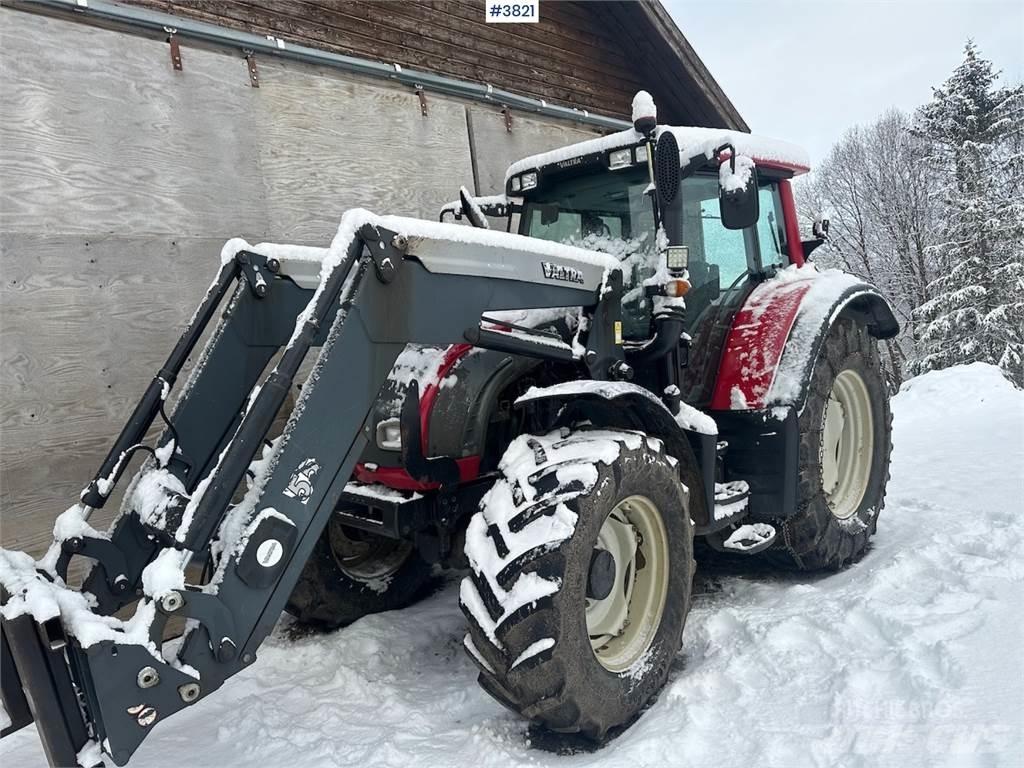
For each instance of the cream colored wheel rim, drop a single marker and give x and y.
(622, 626)
(847, 444)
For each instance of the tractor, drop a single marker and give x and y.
(643, 356)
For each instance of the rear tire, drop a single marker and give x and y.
(351, 574)
(845, 442)
(576, 640)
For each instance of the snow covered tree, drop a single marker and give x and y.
(884, 215)
(972, 130)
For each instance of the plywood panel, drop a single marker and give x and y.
(495, 148)
(85, 322)
(100, 134)
(329, 143)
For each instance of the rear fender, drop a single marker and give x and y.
(629, 406)
(777, 335)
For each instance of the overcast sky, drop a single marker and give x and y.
(806, 71)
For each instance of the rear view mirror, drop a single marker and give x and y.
(738, 200)
(471, 210)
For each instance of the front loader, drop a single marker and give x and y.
(554, 447)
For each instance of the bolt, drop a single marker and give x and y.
(247, 658)
(120, 583)
(147, 677)
(261, 290)
(189, 692)
(273, 265)
(73, 545)
(243, 258)
(400, 243)
(171, 602)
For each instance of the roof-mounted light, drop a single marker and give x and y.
(620, 158)
(528, 180)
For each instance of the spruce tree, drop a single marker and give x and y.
(972, 129)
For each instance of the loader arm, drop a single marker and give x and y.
(384, 282)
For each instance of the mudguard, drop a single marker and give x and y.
(690, 436)
(777, 334)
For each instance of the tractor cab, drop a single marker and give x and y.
(606, 195)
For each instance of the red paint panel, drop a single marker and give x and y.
(755, 342)
(452, 355)
(795, 246)
(400, 479)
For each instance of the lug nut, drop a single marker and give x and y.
(189, 692)
(147, 678)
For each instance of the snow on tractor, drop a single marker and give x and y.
(645, 356)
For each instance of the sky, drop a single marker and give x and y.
(806, 70)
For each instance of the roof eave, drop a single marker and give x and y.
(663, 23)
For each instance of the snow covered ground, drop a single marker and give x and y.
(913, 657)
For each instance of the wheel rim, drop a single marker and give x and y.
(623, 624)
(847, 444)
(371, 560)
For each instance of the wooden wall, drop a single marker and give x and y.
(569, 57)
(121, 179)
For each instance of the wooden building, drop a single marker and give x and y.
(135, 138)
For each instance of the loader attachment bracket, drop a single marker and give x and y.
(253, 266)
(31, 665)
(109, 558)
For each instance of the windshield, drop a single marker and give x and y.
(610, 212)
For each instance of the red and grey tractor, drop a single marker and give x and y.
(645, 356)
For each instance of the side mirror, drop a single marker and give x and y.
(666, 182)
(738, 200)
(471, 210)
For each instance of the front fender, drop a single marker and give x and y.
(690, 437)
(777, 334)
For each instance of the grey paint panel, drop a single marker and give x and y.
(450, 257)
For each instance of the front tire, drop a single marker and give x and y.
(845, 442)
(351, 574)
(581, 567)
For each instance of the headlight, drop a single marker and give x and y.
(389, 435)
(529, 180)
(620, 158)
(641, 153)
(515, 184)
